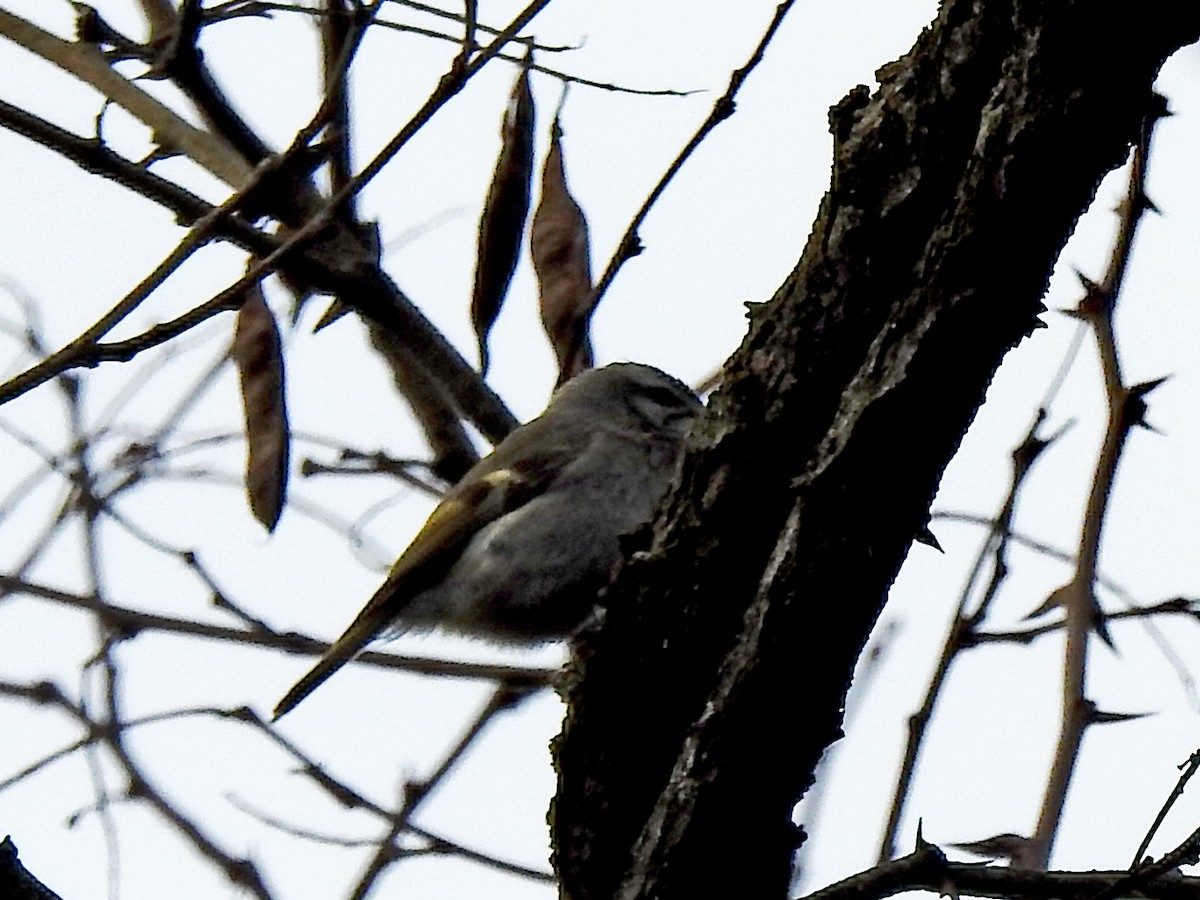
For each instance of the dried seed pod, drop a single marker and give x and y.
(504, 213)
(258, 353)
(558, 242)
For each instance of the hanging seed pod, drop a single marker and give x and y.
(257, 352)
(504, 213)
(558, 242)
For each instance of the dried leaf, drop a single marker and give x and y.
(257, 352)
(504, 213)
(558, 241)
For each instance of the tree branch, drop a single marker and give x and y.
(834, 423)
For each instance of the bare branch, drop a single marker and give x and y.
(630, 245)
(131, 621)
(170, 131)
(1078, 596)
(927, 869)
(963, 627)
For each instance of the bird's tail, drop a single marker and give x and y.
(344, 649)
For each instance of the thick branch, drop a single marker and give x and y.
(824, 447)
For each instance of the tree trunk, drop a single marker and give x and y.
(700, 706)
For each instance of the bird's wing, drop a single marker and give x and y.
(489, 491)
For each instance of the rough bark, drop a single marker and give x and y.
(701, 705)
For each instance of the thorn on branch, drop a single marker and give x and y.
(630, 247)
(1134, 407)
(1097, 716)
(925, 536)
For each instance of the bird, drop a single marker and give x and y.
(520, 548)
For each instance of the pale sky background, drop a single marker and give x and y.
(728, 230)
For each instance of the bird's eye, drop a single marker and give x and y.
(665, 397)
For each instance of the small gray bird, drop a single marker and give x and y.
(519, 549)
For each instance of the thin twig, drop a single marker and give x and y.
(1143, 878)
(503, 698)
(87, 63)
(133, 621)
(1078, 596)
(1189, 769)
(111, 731)
(472, 397)
(86, 350)
(724, 107)
(927, 869)
(963, 627)
(1176, 606)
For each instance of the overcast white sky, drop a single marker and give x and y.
(728, 230)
